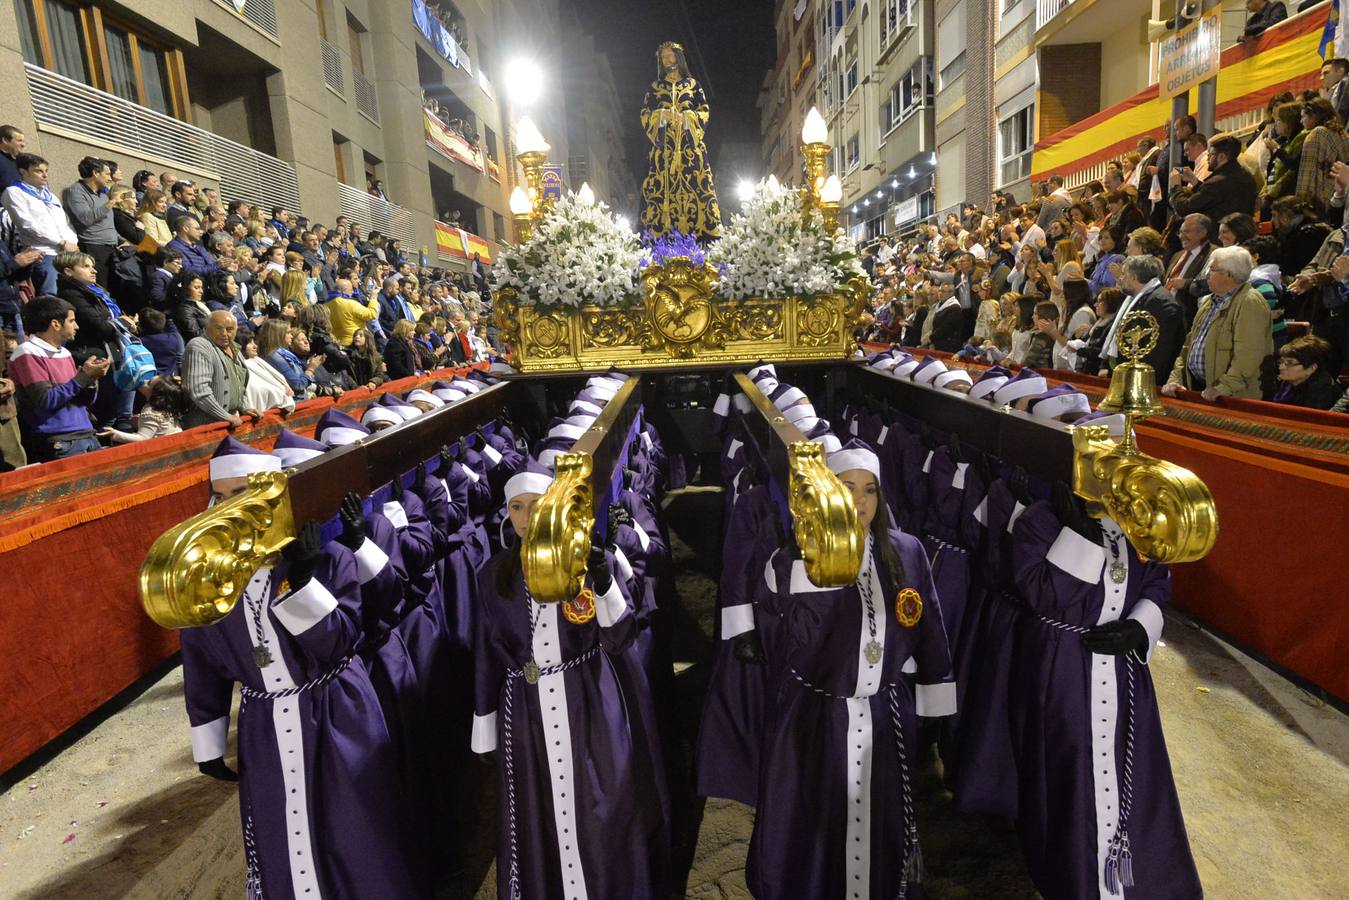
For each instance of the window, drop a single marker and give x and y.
(499, 226)
(321, 11)
(852, 153)
(852, 4)
(889, 18)
(951, 44)
(1016, 140)
(340, 157)
(910, 93)
(354, 32)
(61, 36)
(489, 143)
(851, 79)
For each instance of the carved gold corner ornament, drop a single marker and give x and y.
(681, 323)
(1167, 513)
(824, 520)
(196, 571)
(557, 541)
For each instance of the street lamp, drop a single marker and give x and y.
(532, 151)
(524, 81)
(831, 195)
(522, 211)
(585, 196)
(815, 148)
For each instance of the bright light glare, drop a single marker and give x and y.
(528, 138)
(913, 173)
(832, 191)
(624, 222)
(744, 190)
(894, 182)
(524, 81)
(520, 205)
(585, 195)
(814, 131)
(773, 183)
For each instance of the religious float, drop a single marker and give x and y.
(700, 299)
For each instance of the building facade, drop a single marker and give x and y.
(314, 105)
(594, 129)
(788, 92)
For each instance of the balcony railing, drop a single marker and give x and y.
(261, 13)
(76, 110)
(375, 214)
(367, 104)
(1045, 10)
(332, 66)
(439, 36)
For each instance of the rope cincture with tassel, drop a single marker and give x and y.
(513, 878)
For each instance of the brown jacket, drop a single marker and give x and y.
(1237, 346)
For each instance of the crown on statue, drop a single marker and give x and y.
(670, 45)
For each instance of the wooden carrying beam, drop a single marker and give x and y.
(1043, 449)
(557, 544)
(820, 514)
(196, 571)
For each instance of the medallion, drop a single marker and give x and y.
(873, 652)
(1118, 572)
(262, 657)
(581, 609)
(532, 672)
(908, 607)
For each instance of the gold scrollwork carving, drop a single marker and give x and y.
(817, 322)
(1167, 513)
(824, 519)
(557, 541)
(753, 320)
(610, 328)
(196, 571)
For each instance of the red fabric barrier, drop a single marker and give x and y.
(73, 535)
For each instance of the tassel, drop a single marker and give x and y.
(914, 871)
(1126, 862)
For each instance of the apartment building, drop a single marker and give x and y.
(788, 92)
(594, 127)
(295, 103)
(877, 87)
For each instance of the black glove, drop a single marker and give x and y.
(984, 467)
(303, 555)
(955, 451)
(353, 522)
(597, 567)
(748, 649)
(396, 489)
(446, 462)
(1117, 638)
(217, 769)
(419, 479)
(1072, 514)
(1019, 485)
(619, 515)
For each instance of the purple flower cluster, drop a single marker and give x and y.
(660, 250)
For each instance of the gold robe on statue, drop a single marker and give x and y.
(677, 194)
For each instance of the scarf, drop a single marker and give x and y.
(45, 195)
(103, 295)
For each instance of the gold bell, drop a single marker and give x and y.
(1133, 384)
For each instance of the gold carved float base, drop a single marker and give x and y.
(680, 324)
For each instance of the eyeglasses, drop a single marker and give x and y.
(1289, 362)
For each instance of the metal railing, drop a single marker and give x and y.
(1045, 10)
(375, 214)
(70, 107)
(367, 104)
(261, 13)
(332, 66)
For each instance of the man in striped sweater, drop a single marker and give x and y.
(54, 396)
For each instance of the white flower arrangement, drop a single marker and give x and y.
(770, 250)
(578, 253)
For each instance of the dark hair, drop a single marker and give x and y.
(166, 255)
(1189, 121)
(1025, 318)
(91, 164)
(138, 180)
(28, 160)
(1290, 114)
(1263, 247)
(217, 286)
(40, 312)
(1338, 62)
(1112, 297)
(1309, 350)
(179, 186)
(1047, 309)
(7, 132)
(166, 395)
(152, 321)
(177, 291)
(1241, 224)
(1292, 205)
(1226, 145)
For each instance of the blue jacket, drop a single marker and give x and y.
(196, 258)
(167, 349)
(290, 367)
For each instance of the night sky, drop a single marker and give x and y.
(736, 41)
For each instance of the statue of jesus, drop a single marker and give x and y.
(677, 194)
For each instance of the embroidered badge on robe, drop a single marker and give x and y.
(908, 607)
(581, 609)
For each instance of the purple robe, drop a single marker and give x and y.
(985, 779)
(581, 793)
(835, 815)
(318, 778)
(1089, 740)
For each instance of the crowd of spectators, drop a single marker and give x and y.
(1231, 248)
(133, 310)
